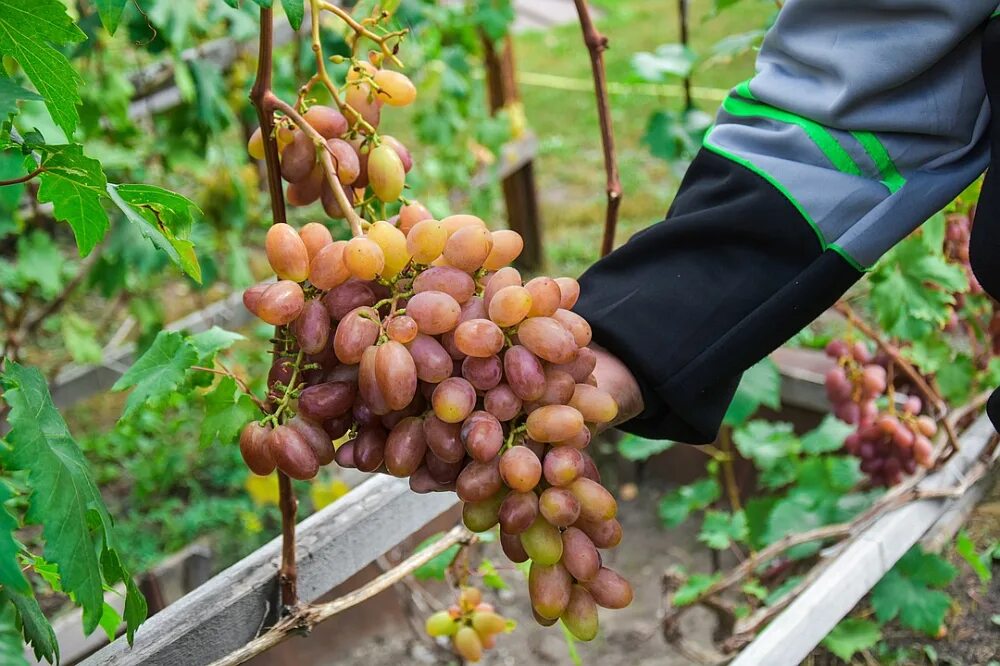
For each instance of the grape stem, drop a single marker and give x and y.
(23, 179)
(225, 372)
(361, 31)
(596, 45)
(304, 618)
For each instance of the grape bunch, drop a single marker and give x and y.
(890, 443)
(420, 343)
(472, 625)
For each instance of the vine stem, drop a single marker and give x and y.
(596, 45)
(225, 372)
(364, 32)
(304, 618)
(729, 471)
(23, 179)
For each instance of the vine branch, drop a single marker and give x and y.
(596, 45)
(23, 179)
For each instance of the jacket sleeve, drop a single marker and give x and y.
(863, 119)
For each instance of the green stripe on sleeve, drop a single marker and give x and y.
(890, 176)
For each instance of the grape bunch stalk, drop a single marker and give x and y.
(472, 624)
(890, 442)
(419, 351)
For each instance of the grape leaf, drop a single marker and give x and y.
(692, 587)
(767, 444)
(10, 92)
(74, 184)
(208, 343)
(491, 577)
(633, 447)
(760, 385)
(669, 60)
(850, 636)
(164, 217)
(64, 500)
(295, 11)
(159, 371)
(907, 590)
(40, 262)
(828, 436)
(720, 529)
(11, 652)
(437, 566)
(10, 571)
(227, 409)
(80, 338)
(35, 626)
(111, 13)
(28, 28)
(965, 547)
(676, 506)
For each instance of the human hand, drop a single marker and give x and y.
(614, 377)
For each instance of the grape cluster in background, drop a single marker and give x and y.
(472, 624)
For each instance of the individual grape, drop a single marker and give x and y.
(357, 331)
(363, 258)
(913, 404)
(401, 328)
(401, 151)
(368, 387)
(545, 296)
(425, 241)
(580, 556)
(410, 214)
(873, 380)
(453, 223)
(405, 447)
(345, 160)
(517, 512)
(923, 451)
(326, 401)
(329, 122)
(609, 589)
(468, 247)
(543, 621)
(510, 306)
(393, 244)
(562, 466)
(346, 297)
(441, 624)
(479, 337)
(546, 338)
(292, 454)
(483, 373)
(520, 469)
(456, 354)
(453, 400)
(386, 175)
(478, 481)
(308, 190)
(570, 290)
(369, 448)
(441, 471)
(312, 327)
(359, 97)
(467, 644)
(512, 548)
(482, 435)
(926, 426)
(505, 277)
(524, 373)
(860, 353)
(542, 542)
(286, 253)
(576, 325)
(360, 69)
(578, 441)
(338, 426)
(283, 135)
(507, 246)
(331, 205)
(315, 236)
(434, 311)
(396, 374)
(596, 503)
(502, 402)
(416, 408)
(472, 309)
(603, 533)
(255, 448)
(559, 506)
(251, 297)
(281, 303)
(431, 359)
(582, 366)
(315, 436)
(549, 586)
(279, 376)
(344, 456)
(487, 623)
(559, 388)
(394, 88)
(838, 386)
(482, 516)
(580, 616)
(421, 482)
(836, 349)
(298, 158)
(554, 423)
(596, 405)
(255, 146)
(457, 284)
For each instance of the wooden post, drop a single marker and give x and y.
(519, 191)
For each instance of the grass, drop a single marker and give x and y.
(569, 168)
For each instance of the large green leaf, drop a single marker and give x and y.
(75, 183)
(10, 570)
(227, 409)
(850, 636)
(907, 590)
(64, 500)
(10, 93)
(760, 385)
(111, 13)
(159, 371)
(35, 627)
(767, 444)
(827, 436)
(11, 652)
(676, 506)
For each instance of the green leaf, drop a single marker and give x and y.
(162, 216)
(635, 448)
(776, 595)
(766, 443)
(828, 436)
(159, 371)
(74, 184)
(80, 338)
(907, 591)
(677, 505)
(435, 569)
(10, 93)
(40, 262)
(28, 28)
(35, 627)
(10, 570)
(720, 529)
(295, 11)
(227, 409)
(668, 61)
(110, 621)
(967, 550)
(111, 13)
(753, 588)
(794, 514)
(11, 651)
(852, 635)
(491, 578)
(64, 500)
(957, 378)
(694, 586)
(209, 343)
(760, 385)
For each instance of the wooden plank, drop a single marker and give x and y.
(860, 565)
(227, 611)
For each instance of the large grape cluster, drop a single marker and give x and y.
(419, 343)
(890, 443)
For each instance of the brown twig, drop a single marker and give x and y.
(23, 179)
(306, 617)
(682, 19)
(728, 470)
(288, 574)
(596, 45)
(259, 96)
